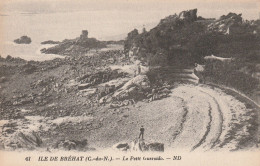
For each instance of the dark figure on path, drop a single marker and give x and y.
(141, 132)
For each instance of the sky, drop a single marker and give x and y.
(250, 9)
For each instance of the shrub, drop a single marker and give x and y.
(228, 74)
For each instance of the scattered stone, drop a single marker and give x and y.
(73, 145)
(3, 79)
(121, 146)
(83, 86)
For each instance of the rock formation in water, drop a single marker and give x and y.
(23, 40)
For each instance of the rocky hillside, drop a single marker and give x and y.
(181, 40)
(186, 38)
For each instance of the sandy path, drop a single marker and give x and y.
(193, 118)
(214, 120)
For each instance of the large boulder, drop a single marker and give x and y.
(24, 140)
(81, 145)
(138, 145)
(121, 146)
(140, 81)
(236, 18)
(159, 147)
(141, 145)
(84, 34)
(23, 40)
(231, 23)
(84, 86)
(190, 15)
(134, 88)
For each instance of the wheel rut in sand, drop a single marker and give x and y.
(215, 120)
(195, 120)
(220, 120)
(175, 135)
(203, 125)
(221, 124)
(203, 139)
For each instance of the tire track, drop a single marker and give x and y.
(181, 125)
(225, 123)
(221, 119)
(213, 126)
(207, 131)
(221, 124)
(176, 134)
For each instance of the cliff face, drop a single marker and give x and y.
(74, 47)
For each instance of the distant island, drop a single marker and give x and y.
(23, 40)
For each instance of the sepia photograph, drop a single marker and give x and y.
(129, 82)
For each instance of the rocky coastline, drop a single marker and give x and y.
(94, 101)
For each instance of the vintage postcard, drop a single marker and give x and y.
(129, 82)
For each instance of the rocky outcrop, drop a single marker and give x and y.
(170, 41)
(156, 146)
(78, 46)
(186, 38)
(225, 22)
(233, 23)
(21, 140)
(23, 40)
(140, 81)
(189, 15)
(135, 88)
(84, 34)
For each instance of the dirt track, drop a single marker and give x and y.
(193, 118)
(213, 120)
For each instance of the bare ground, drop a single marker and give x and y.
(192, 118)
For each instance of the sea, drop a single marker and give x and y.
(103, 25)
